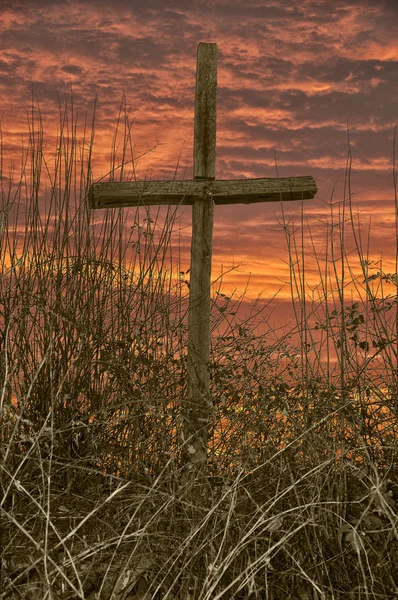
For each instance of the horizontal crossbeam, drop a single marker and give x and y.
(235, 191)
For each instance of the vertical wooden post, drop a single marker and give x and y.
(196, 413)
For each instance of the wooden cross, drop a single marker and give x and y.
(203, 192)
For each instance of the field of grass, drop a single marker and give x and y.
(302, 496)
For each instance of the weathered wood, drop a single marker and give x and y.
(196, 411)
(203, 193)
(234, 191)
(204, 146)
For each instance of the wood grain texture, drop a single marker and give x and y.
(224, 191)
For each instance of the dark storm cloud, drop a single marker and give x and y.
(141, 52)
(73, 69)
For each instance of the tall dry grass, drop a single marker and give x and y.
(302, 465)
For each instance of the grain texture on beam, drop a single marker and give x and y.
(235, 191)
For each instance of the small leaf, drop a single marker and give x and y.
(355, 540)
(376, 521)
(371, 278)
(387, 498)
(275, 524)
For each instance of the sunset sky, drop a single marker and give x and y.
(290, 75)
